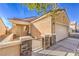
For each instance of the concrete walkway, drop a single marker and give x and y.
(66, 47)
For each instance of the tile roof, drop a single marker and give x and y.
(24, 19)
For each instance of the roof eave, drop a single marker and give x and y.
(19, 22)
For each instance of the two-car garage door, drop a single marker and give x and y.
(61, 32)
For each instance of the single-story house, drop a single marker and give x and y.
(55, 23)
(52, 23)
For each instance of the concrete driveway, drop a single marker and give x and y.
(66, 47)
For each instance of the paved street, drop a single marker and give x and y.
(66, 47)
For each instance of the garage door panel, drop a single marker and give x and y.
(61, 32)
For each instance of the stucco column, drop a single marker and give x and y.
(53, 31)
(29, 29)
(26, 46)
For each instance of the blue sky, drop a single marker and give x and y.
(18, 11)
(72, 10)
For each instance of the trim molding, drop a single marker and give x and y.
(61, 23)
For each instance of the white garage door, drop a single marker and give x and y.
(61, 32)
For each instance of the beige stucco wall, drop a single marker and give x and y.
(8, 38)
(36, 44)
(2, 28)
(61, 17)
(10, 51)
(41, 26)
(14, 29)
(11, 48)
(19, 30)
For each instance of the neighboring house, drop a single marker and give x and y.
(73, 26)
(50, 23)
(20, 26)
(3, 28)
